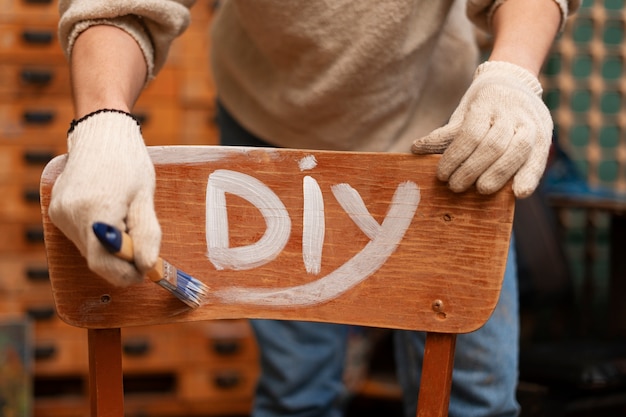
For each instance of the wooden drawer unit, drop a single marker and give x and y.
(232, 383)
(30, 43)
(221, 362)
(24, 274)
(19, 238)
(153, 349)
(20, 202)
(186, 369)
(34, 80)
(23, 164)
(60, 351)
(39, 308)
(41, 120)
(220, 342)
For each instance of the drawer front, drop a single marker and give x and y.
(42, 11)
(32, 43)
(23, 164)
(24, 274)
(18, 238)
(20, 202)
(60, 351)
(235, 382)
(27, 80)
(43, 121)
(152, 349)
(220, 342)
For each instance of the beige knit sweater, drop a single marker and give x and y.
(365, 75)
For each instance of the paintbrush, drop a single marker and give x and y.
(188, 289)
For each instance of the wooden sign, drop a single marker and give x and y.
(307, 235)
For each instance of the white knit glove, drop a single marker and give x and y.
(500, 129)
(110, 178)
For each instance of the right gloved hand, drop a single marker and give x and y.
(110, 178)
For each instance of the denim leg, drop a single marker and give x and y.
(485, 365)
(301, 363)
(301, 369)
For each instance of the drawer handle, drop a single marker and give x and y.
(136, 347)
(45, 352)
(226, 347)
(38, 77)
(40, 313)
(32, 196)
(227, 380)
(34, 273)
(38, 117)
(37, 37)
(37, 1)
(38, 157)
(34, 235)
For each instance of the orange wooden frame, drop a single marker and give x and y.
(442, 275)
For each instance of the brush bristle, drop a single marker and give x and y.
(187, 289)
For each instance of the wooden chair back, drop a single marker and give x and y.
(368, 239)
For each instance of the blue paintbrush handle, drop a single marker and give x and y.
(109, 236)
(114, 240)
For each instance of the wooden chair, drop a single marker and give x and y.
(358, 238)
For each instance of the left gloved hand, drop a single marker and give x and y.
(500, 129)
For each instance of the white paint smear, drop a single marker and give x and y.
(313, 227)
(197, 154)
(258, 194)
(307, 163)
(352, 203)
(383, 243)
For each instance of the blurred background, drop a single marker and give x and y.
(570, 235)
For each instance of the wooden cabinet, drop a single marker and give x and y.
(183, 370)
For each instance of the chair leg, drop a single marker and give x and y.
(436, 381)
(106, 389)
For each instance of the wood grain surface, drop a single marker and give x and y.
(444, 275)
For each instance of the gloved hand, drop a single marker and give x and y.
(500, 129)
(110, 178)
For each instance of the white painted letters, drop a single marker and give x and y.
(313, 227)
(274, 212)
(384, 238)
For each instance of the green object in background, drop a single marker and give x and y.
(15, 368)
(610, 102)
(582, 66)
(583, 31)
(583, 89)
(612, 68)
(581, 101)
(579, 135)
(609, 136)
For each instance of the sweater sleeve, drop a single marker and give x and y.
(154, 24)
(481, 11)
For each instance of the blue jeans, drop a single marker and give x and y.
(302, 363)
